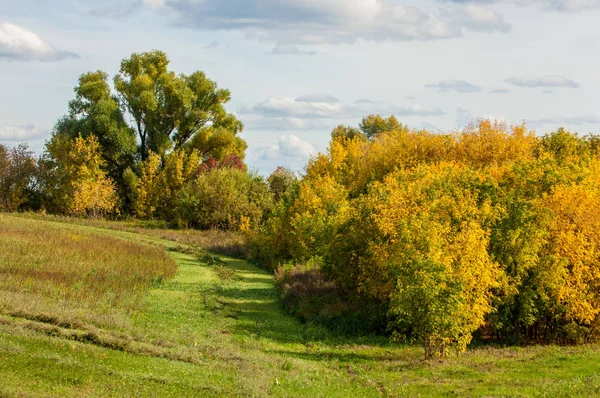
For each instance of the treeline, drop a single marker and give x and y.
(160, 146)
(492, 231)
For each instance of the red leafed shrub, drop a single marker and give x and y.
(209, 165)
(233, 161)
(230, 161)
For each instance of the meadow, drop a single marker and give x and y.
(111, 310)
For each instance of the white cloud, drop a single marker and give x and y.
(20, 133)
(291, 107)
(325, 98)
(18, 43)
(542, 81)
(460, 86)
(290, 23)
(478, 18)
(289, 146)
(261, 123)
(325, 107)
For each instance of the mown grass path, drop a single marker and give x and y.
(216, 329)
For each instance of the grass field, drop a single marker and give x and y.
(115, 319)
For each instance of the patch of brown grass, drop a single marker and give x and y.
(233, 244)
(81, 271)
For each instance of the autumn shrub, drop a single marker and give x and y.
(492, 228)
(225, 199)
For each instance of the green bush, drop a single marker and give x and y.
(225, 199)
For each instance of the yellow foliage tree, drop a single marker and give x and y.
(79, 185)
(440, 235)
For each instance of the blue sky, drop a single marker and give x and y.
(298, 68)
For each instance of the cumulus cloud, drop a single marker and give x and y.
(482, 19)
(291, 23)
(291, 107)
(460, 86)
(20, 133)
(542, 81)
(261, 123)
(328, 107)
(324, 98)
(289, 146)
(20, 44)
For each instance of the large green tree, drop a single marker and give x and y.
(95, 111)
(169, 109)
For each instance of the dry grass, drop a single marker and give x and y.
(228, 243)
(46, 266)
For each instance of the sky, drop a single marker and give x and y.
(298, 68)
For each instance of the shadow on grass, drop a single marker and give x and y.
(345, 357)
(259, 294)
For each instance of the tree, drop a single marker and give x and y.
(225, 199)
(147, 189)
(281, 181)
(346, 133)
(95, 111)
(373, 125)
(169, 109)
(77, 183)
(218, 142)
(17, 175)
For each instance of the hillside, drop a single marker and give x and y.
(215, 328)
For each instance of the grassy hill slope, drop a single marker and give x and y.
(128, 324)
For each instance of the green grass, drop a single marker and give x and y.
(216, 329)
